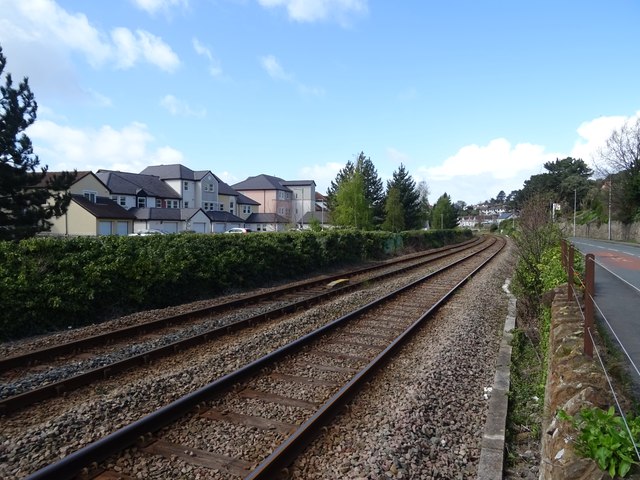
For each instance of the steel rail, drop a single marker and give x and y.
(126, 332)
(140, 430)
(288, 451)
(23, 400)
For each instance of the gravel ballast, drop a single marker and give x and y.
(422, 418)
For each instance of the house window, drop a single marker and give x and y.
(172, 204)
(122, 201)
(186, 185)
(207, 206)
(222, 207)
(91, 196)
(158, 203)
(186, 204)
(231, 206)
(208, 187)
(142, 202)
(246, 209)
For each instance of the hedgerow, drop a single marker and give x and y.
(49, 284)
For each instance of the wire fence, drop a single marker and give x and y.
(587, 285)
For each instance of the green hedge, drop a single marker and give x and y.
(50, 284)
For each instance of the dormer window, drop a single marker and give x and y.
(89, 195)
(142, 202)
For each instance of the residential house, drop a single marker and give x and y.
(270, 193)
(171, 220)
(468, 222)
(134, 190)
(267, 222)
(303, 197)
(197, 189)
(290, 199)
(505, 216)
(319, 213)
(91, 211)
(225, 207)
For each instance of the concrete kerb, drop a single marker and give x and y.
(493, 438)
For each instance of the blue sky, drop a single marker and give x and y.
(471, 96)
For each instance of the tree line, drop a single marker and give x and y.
(358, 199)
(611, 190)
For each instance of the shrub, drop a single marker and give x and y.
(54, 283)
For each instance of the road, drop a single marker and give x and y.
(617, 285)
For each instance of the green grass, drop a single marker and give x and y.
(528, 379)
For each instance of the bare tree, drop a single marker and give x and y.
(619, 162)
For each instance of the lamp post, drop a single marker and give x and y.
(610, 188)
(575, 196)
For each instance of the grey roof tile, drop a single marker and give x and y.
(103, 207)
(125, 183)
(262, 182)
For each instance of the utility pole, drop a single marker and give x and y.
(610, 188)
(575, 196)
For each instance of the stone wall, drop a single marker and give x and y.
(574, 381)
(619, 231)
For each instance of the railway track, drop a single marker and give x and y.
(252, 423)
(97, 357)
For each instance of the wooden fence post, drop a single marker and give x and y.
(570, 273)
(588, 303)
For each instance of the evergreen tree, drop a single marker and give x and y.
(27, 201)
(394, 212)
(352, 208)
(373, 187)
(564, 179)
(444, 214)
(409, 197)
(425, 208)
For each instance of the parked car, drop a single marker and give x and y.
(147, 232)
(239, 230)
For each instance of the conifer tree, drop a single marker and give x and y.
(409, 197)
(28, 198)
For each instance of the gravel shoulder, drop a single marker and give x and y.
(424, 416)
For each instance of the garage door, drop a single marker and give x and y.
(170, 227)
(199, 227)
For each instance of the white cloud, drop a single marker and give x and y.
(273, 68)
(499, 158)
(180, 108)
(396, 156)
(128, 149)
(215, 69)
(315, 10)
(478, 172)
(323, 175)
(130, 48)
(153, 6)
(594, 134)
(45, 27)
(45, 21)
